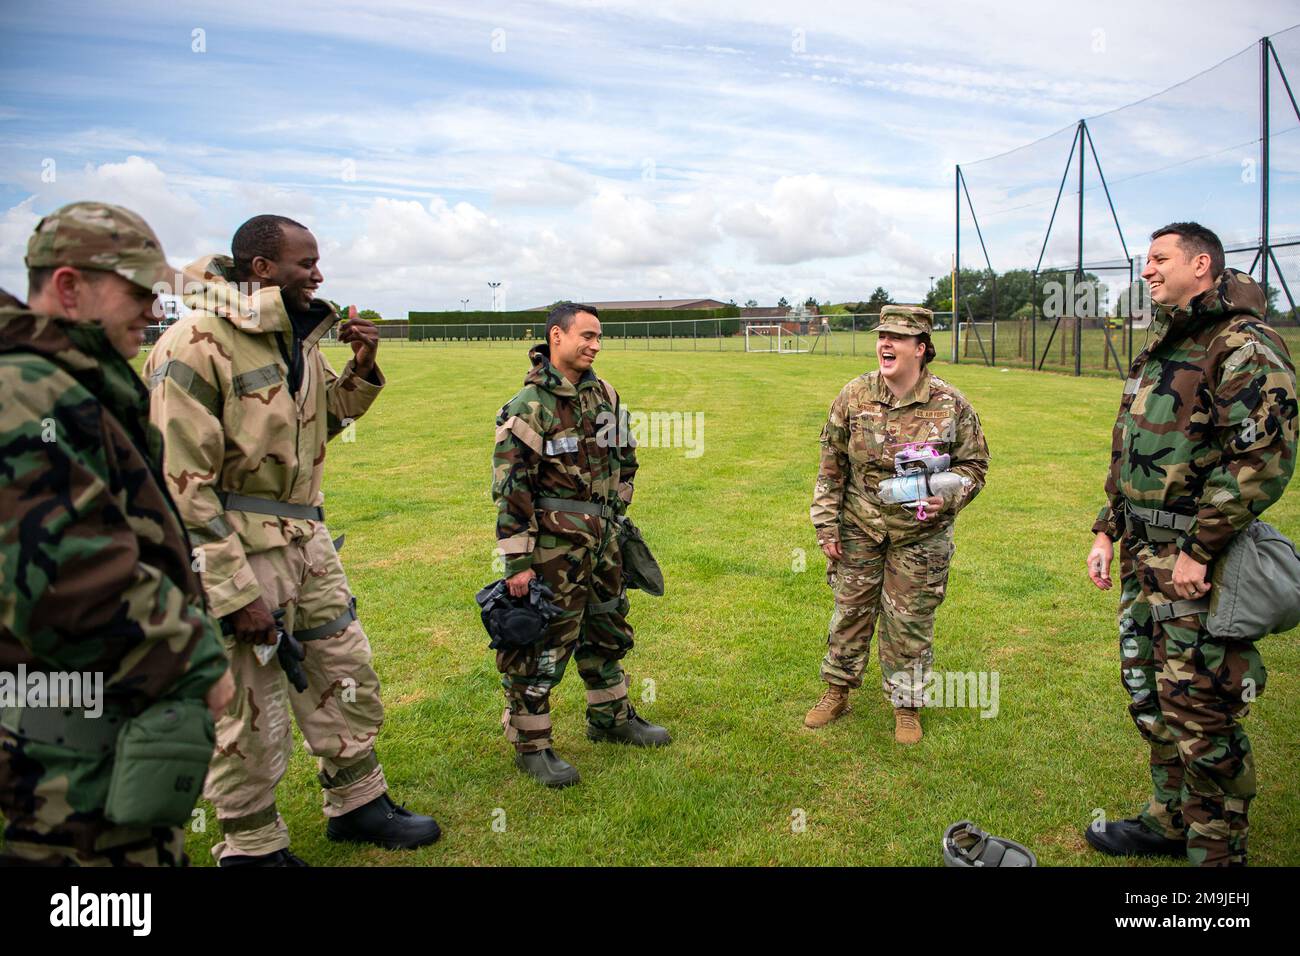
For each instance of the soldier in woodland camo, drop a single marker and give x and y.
(95, 566)
(562, 472)
(1204, 442)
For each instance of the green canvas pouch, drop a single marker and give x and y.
(160, 764)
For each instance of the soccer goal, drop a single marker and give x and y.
(977, 339)
(771, 338)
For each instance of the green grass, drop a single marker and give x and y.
(1011, 352)
(734, 647)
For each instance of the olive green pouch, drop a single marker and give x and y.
(160, 764)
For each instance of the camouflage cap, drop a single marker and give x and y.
(905, 320)
(95, 235)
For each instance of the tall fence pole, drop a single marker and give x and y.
(956, 267)
(1263, 164)
(1078, 269)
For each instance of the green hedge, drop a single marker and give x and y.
(610, 317)
(517, 331)
(623, 323)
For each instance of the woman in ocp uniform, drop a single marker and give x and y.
(889, 547)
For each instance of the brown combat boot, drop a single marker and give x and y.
(833, 703)
(907, 725)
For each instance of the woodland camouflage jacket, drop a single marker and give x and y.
(559, 440)
(1207, 423)
(95, 566)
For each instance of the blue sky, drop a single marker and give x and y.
(605, 150)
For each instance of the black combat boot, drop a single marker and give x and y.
(547, 769)
(278, 858)
(1132, 838)
(384, 824)
(636, 731)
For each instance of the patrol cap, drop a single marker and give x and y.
(905, 320)
(95, 235)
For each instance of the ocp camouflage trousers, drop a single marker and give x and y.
(1187, 693)
(597, 638)
(903, 586)
(339, 714)
(52, 799)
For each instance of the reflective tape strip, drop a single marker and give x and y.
(607, 694)
(330, 627)
(191, 381)
(530, 721)
(1238, 358)
(519, 544)
(1131, 386)
(351, 773)
(514, 425)
(1167, 612)
(562, 446)
(253, 821)
(246, 382)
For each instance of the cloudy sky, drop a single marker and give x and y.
(596, 150)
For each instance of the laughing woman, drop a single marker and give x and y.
(902, 453)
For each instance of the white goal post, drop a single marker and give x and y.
(771, 338)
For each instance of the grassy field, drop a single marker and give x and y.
(733, 648)
(1011, 350)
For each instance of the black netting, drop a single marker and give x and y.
(1055, 282)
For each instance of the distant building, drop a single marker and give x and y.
(648, 304)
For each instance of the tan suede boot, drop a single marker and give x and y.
(833, 703)
(907, 725)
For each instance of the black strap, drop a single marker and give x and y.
(1156, 518)
(580, 507)
(269, 506)
(1173, 609)
(329, 627)
(604, 607)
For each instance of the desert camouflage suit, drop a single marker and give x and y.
(559, 446)
(246, 405)
(95, 575)
(893, 567)
(1206, 429)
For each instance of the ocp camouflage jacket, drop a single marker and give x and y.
(95, 567)
(220, 395)
(559, 440)
(866, 427)
(1207, 422)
